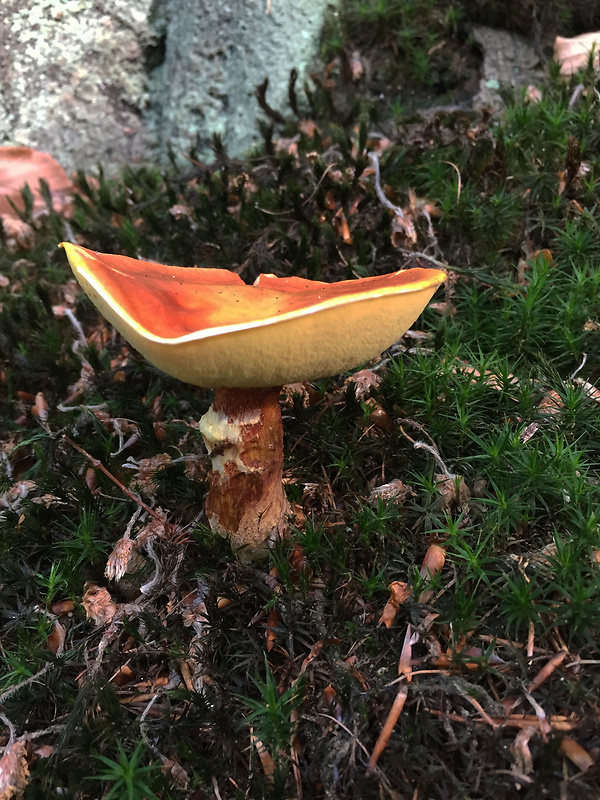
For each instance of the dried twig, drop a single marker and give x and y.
(374, 158)
(17, 687)
(11, 729)
(348, 731)
(99, 465)
(547, 670)
(430, 448)
(557, 723)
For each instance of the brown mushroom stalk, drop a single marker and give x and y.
(208, 328)
(243, 433)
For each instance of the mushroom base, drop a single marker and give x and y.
(243, 433)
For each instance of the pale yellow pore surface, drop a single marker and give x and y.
(312, 346)
(315, 342)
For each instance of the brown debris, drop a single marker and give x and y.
(364, 381)
(342, 229)
(356, 67)
(274, 621)
(266, 760)
(14, 772)
(576, 753)
(399, 593)
(118, 561)
(99, 606)
(521, 752)
(378, 416)
(56, 639)
(434, 560)
(547, 670)
(558, 722)
(395, 491)
(454, 491)
(405, 669)
(63, 607)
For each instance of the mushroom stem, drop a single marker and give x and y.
(243, 433)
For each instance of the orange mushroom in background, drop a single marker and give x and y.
(208, 328)
(21, 166)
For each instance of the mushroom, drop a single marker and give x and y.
(23, 165)
(208, 328)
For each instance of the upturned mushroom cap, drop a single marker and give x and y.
(208, 328)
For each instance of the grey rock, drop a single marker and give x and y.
(509, 60)
(121, 81)
(216, 54)
(72, 78)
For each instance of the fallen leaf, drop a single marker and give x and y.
(44, 751)
(299, 565)
(315, 652)
(330, 201)
(182, 211)
(403, 232)
(56, 639)
(551, 404)
(13, 496)
(176, 772)
(521, 752)
(266, 760)
(378, 416)
(273, 623)
(434, 560)
(123, 675)
(591, 391)
(329, 694)
(62, 607)
(40, 407)
(532, 94)
(399, 593)
(308, 127)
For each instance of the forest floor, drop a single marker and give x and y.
(429, 627)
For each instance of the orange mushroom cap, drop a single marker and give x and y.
(207, 327)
